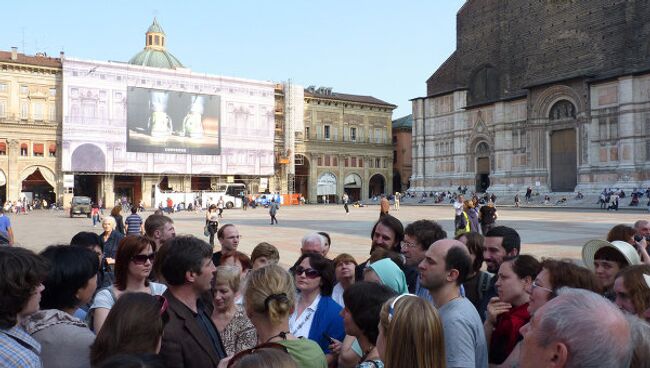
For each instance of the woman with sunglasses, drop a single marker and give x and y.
(269, 298)
(410, 334)
(554, 274)
(133, 263)
(133, 326)
(316, 316)
(236, 330)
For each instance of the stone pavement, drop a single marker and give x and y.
(546, 232)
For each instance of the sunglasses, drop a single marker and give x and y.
(141, 259)
(310, 273)
(243, 353)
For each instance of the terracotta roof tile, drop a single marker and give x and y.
(5, 57)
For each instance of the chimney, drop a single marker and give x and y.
(14, 53)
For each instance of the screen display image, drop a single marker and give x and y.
(160, 121)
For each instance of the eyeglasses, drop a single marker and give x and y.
(141, 259)
(391, 309)
(310, 273)
(541, 287)
(243, 353)
(405, 244)
(163, 304)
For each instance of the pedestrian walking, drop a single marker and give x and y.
(517, 200)
(220, 206)
(346, 199)
(397, 198)
(384, 206)
(273, 210)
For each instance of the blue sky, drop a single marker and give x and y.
(376, 48)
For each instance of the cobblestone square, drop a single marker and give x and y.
(556, 232)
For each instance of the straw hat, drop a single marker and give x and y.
(626, 249)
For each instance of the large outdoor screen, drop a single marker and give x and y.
(121, 118)
(162, 121)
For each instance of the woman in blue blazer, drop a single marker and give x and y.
(317, 315)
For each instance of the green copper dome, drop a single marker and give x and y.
(155, 52)
(156, 59)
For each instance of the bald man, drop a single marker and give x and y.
(444, 268)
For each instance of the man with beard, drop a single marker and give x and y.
(445, 266)
(500, 242)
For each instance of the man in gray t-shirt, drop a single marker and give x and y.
(444, 268)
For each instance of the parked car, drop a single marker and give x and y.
(80, 205)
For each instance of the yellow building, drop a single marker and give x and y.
(30, 122)
(342, 143)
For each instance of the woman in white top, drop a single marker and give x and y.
(212, 222)
(133, 262)
(220, 207)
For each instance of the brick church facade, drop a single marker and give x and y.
(548, 94)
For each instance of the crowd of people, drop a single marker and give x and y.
(421, 299)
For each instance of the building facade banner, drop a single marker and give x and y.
(326, 184)
(122, 118)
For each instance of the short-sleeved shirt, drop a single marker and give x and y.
(18, 349)
(133, 223)
(5, 224)
(306, 353)
(465, 343)
(105, 298)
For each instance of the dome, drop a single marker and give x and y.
(156, 59)
(155, 52)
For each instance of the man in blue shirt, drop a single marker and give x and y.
(134, 224)
(6, 232)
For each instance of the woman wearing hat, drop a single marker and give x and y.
(606, 259)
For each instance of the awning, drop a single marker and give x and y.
(53, 148)
(3, 148)
(38, 148)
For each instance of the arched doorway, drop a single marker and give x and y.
(564, 155)
(326, 188)
(88, 157)
(482, 167)
(38, 185)
(352, 186)
(302, 175)
(376, 185)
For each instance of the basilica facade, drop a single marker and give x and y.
(549, 95)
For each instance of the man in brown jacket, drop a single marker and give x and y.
(190, 339)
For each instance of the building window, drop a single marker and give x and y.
(327, 160)
(3, 148)
(378, 163)
(150, 40)
(24, 110)
(38, 111)
(394, 139)
(326, 132)
(385, 163)
(360, 162)
(306, 132)
(353, 134)
(24, 90)
(23, 149)
(371, 163)
(378, 137)
(320, 161)
(354, 162)
(346, 162)
(157, 39)
(335, 161)
(3, 109)
(394, 156)
(52, 150)
(52, 112)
